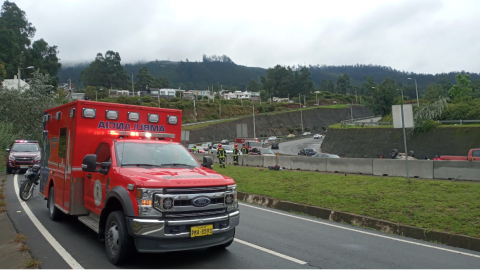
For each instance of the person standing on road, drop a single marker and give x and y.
(194, 149)
(244, 149)
(235, 155)
(221, 154)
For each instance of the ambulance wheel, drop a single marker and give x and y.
(53, 211)
(118, 243)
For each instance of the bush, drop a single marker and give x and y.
(174, 99)
(147, 99)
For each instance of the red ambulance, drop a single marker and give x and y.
(122, 170)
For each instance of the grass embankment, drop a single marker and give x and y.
(435, 205)
(3, 163)
(202, 125)
(352, 126)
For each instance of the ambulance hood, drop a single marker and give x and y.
(175, 177)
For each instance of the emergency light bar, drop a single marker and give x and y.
(25, 141)
(141, 134)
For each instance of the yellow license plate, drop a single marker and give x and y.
(201, 230)
(24, 166)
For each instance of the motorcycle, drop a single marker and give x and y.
(32, 178)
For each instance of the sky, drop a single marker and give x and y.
(422, 36)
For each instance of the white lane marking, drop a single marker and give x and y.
(270, 252)
(369, 233)
(53, 242)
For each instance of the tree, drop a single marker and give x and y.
(304, 82)
(330, 86)
(462, 88)
(253, 86)
(44, 57)
(324, 85)
(434, 91)
(384, 97)
(106, 71)
(161, 82)
(93, 92)
(343, 84)
(144, 79)
(3, 72)
(15, 34)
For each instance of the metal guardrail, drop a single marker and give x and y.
(460, 122)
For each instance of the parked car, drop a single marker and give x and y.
(200, 149)
(190, 147)
(291, 136)
(322, 155)
(22, 155)
(266, 152)
(307, 152)
(210, 145)
(205, 147)
(307, 133)
(275, 145)
(272, 139)
(224, 142)
(317, 136)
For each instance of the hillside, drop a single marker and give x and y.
(200, 75)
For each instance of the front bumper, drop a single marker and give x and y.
(153, 235)
(13, 164)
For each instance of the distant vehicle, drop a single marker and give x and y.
(317, 136)
(200, 149)
(473, 155)
(266, 152)
(205, 147)
(307, 152)
(190, 147)
(272, 139)
(275, 145)
(228, 149)
(225, 142)
(210, 144)
(321, 155)
(22, 155)
(307, 133)
(249, 145)
(291, 136)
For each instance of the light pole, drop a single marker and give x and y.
(356, 97)
(20, 72)
(254, 133)
(301, 111)
(416, 89)
(402, 94)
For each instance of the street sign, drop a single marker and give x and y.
(407, 116)
(242, 131)
(185, 135)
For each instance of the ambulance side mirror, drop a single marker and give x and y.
(89, 163)
(105, 167)
(207, 162)
(8, 150)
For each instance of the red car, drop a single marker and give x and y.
(23, 154)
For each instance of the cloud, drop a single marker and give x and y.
(426, 36)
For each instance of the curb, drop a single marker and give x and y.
(454, 240)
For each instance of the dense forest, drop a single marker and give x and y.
(200, 75)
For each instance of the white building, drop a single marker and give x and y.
(12, 84)
(241, 95)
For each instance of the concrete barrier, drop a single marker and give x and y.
(308, 164)
(395, 167)
(269, 161)
(460, 170)
(284, 162)
(350, 165)
(254, 161)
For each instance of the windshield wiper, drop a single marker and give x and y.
(176, 164)
(139, 165)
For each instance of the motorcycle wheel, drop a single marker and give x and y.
(26, 190)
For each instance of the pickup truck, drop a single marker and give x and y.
(473, 155)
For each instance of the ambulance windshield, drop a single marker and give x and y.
(131, 154)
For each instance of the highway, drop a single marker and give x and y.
(294, 146)
(265, 238)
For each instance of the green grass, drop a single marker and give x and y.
(3, 163)
(458, 126)
(435, 205)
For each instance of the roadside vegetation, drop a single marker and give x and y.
(448, 206)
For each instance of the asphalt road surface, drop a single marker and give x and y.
(293, 147)
(265, 238)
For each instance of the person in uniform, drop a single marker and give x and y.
(244, 150)
(194, 149)
(235, 155)
(221, 154)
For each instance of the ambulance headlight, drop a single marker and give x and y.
(153, 118)
(133, 116)
(172, 120)
(144, 198)
(111, 115)
(89, 113)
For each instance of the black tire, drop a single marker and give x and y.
(24, 192)
(226, 245)
(119, 245)
(53, 211)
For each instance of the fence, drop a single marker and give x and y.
(352, 122)
(429, 169)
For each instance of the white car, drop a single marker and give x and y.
(317, 136)
(272, 139)
(307, 133)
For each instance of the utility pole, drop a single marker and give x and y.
(18, 78)
(301, 111)
(304, 101)
(254, 133)
(133, 89)
(220, 108)
(159, 106)
(195, 108)
(356, 97)
(416, 89)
